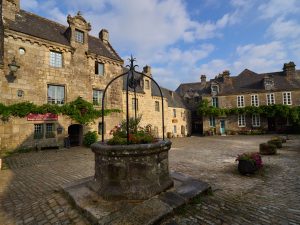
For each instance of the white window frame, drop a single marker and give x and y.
(255, 120)
(270, 98)
(97, 97)
(55, 59)
(100, 70)
(212, 121)
(241, 120)
(215, 102)
(240, 101)
(38, 131)
(254, 100)
(56, 100)
(79, 36)
(287, 98)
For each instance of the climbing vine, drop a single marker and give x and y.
(270, 111)
(79, 110)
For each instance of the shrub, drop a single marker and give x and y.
(90, 138)
(253, 157)
(277, 143)
(267, 149)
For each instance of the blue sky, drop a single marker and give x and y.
(182, 39)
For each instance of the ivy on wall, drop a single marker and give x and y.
(270, 111)
(79, 110)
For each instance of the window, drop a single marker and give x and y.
(56, 94)
(254, 100)
(97, 97)
(197, 99)
(175, 129)
(79, 36)
(55, 59)
(50, 130)
(157, 106)
(212, 121)
(214, 102)
(100, 127)
(99, 68)
(38, 131)
(241, 120)
(240, 101)
(214, 89)
(174, 113)
(135, 103)
(255, 120)
(287, 98)
(270, 99)
(147, 84)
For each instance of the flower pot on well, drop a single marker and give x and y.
(246, 167)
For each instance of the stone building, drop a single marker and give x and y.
(57, 64)
(246, 89)
(148, 103)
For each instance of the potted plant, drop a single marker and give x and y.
(249, 162)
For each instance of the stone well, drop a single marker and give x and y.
(132, 172)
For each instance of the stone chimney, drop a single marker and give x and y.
(289, 69)
(147, 70)
(104, 36)
(10, 9)
(225, 75)
(203, 79)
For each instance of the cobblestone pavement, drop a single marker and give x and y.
(30, 194)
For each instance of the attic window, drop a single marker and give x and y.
(214, 89)
(79, 36)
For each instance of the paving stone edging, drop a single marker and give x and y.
(137, 212)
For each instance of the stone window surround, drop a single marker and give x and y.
(212, 121)
(241, 120)
(174, 113)
(175, 129)
(97, 97)
(254, 100)
(255, 120)
(287, 98)
(240, 101)
(42, 129)
(214, 102)
(56, 59)
(270, 98)
(55, 99)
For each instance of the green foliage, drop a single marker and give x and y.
(90, 138)
(79, 110)
(137, 134)
(270, 111)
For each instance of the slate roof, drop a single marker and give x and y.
(246, 82)
(40, 27)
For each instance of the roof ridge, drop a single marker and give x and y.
(43, 18)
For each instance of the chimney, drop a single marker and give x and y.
(203, 79)
(171, 93)
(104, 36)
(225, 75)
(289, 69)
(147, 70)
(10, 9)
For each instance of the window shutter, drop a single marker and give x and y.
(96, 68)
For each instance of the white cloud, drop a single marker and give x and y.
(213, 68)
(275, 8)
(284, 29)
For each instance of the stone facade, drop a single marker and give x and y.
(31, 82)
(246, 89)
(149, 106)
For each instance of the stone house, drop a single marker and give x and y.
(57, 64)
(246, 89)
(148, 103)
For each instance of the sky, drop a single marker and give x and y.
(183, 39)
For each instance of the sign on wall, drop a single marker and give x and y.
(42, 117)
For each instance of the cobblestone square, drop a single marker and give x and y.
(30, 189)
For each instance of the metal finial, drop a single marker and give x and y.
(132, 60)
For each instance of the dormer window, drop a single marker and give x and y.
(79, 36)
(214, 89)
(268, 83)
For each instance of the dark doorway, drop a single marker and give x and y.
(271, 124)
(197, 127)
(75, 134)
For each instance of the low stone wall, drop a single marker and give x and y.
(131, 171)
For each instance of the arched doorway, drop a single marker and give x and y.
(75, 132)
